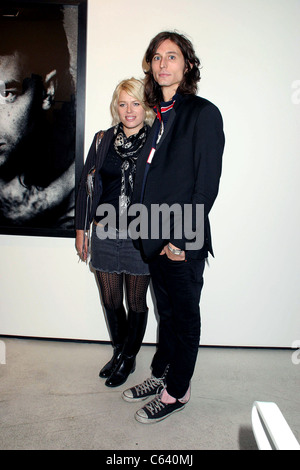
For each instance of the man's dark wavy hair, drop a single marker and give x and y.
(189, 83)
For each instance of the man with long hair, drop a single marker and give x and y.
(181, 164)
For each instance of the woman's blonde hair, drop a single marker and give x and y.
(134, 88)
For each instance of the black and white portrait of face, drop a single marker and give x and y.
(37, 117)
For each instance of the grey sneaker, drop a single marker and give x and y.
(140, 392)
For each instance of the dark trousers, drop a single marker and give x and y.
(177, 287)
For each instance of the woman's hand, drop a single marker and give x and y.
(81, 244)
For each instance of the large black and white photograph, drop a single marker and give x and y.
(38, 105)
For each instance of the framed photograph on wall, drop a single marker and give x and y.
(42, 103)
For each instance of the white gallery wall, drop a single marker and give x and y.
(249, 51)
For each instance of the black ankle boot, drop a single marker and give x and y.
(137, 322)
(108, 369)
(117, 326)
(124, 368)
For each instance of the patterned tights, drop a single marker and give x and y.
(111, 286)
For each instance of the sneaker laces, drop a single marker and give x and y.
(155, 405)
(148, 385)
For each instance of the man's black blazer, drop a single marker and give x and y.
(185, 169)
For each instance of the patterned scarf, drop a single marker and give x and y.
(128, 148)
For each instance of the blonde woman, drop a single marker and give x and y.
(116, 261)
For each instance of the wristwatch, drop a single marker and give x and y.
(175, 251)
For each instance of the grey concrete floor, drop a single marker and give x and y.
(52, 398)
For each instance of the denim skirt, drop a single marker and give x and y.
(115, 253)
